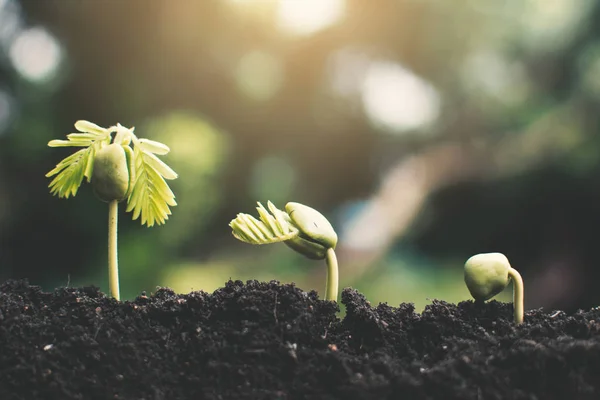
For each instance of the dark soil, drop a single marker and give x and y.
(271, 341)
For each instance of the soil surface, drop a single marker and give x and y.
(270, 341)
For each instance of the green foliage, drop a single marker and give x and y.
(300, 227)
(151, 196)
(148, 194)
(272, 228)
(71, 171)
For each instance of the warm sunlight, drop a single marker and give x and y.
(297, 17)
(309, 16)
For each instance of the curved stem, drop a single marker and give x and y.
(113, 266)
(518, 296)
(331, 288)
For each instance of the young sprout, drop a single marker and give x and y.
(301, 228)
(488, 274)
(120, 168)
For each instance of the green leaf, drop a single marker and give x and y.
(71, 170)
(159, 166)
(68, 143)
(270, 229)
(69, 173)
(90, 127)
(153, 147)
(151, 196)
(85, 136)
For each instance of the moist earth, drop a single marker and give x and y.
(265, 340)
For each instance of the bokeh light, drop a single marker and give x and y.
(397, 99)
(306, 17)
(198, 151)
(35, 54)
(496, 77)
(548, 25)
(259, 75)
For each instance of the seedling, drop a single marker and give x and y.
(488, 274)
(301, 228)
(119, 168)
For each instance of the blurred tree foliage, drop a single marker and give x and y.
(511, 161)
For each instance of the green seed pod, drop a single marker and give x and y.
(316, 233)
(486, 275)
(111, 175)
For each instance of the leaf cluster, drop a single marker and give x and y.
(271, 228)
(150, 196)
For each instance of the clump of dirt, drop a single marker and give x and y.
(266, 340)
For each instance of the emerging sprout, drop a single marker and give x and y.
(301, 228)
(126, 169)
(488, 274)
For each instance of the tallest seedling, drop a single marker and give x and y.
(120, 168)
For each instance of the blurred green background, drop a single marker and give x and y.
(426, 131)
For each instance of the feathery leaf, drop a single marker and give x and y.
(71, 170)
(70, 173)
(269, 229)
(151, 196)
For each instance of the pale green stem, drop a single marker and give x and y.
(331, 289)
(517, 294)
(113, 266)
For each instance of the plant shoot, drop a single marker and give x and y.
(488, 274)
(123, 167)
(301, 228)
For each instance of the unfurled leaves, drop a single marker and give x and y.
(148, 195)
(71, 171)
(151, 196)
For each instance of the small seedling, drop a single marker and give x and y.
(301, 228)
(120, 168)
(488, 274)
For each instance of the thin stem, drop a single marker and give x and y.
(517, 294)
(331, 288)
(113, 266)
